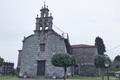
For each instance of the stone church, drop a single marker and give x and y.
(35, 57)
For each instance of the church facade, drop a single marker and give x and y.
(35, 57)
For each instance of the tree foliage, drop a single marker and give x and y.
(116, 63)
(1, 61)
(62, 60)
(117, 58)
(100, 61)
(100, 45)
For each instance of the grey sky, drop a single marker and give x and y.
(82, 19)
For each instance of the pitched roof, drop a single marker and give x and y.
(82, 46)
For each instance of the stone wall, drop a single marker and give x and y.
(31, 52)
(84, 57)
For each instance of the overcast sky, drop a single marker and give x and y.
(84, 20)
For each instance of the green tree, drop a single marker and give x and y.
(117, 58)
(1, 61)
(117, 66)
(116, 63)
(100, 62)
(100, 45)
(62, 60)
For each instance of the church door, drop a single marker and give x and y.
(41, 68)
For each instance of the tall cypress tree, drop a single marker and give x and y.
(100, 45)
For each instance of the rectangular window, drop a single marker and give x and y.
(42, 47)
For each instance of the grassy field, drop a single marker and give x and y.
(73, 78)
(8, 78)
(90, 78)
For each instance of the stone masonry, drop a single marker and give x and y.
(84, 57)
(41, 46)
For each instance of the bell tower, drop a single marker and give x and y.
(44, 22)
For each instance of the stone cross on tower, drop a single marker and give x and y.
(44, 22)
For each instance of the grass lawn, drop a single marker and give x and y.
(72, 78)
(8, 78)
(91, 78)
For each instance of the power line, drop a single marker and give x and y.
(107, 50)
(65, 35)
(58, 28)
